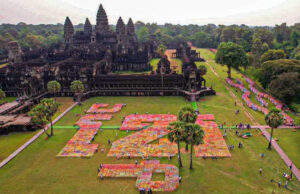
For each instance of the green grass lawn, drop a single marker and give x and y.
(10, 143)
(38, 170)
(289, 141)
(7, 99)
(154, 63)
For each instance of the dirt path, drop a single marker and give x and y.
(174, 64)
(281, 153)
(238, 101)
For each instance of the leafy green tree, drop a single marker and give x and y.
(231, 55)
(77, 87)
(203, 40)
(272, 55)
(285, 87)
(264, 35)
(38, 117)
(295, 52)
(50, 108)
(176, 135)
(187, 115)
(272, 69)
(274, 119)
(295, 38)
(2, 94)
(54, 87)
(161, 50)
(202, 69)
(194, 136)
(143, 34)
(228, 34)
(282, 32)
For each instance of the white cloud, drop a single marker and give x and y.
(251, 12)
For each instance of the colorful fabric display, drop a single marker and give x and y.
(214, 144)
(102, 108)
(137, 144)
(144, 172)
(79, 145)
(278, 104)
(138, 122)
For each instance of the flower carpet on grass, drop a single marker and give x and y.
(138, 144)
(80, 144)
(102, 108)
(278, 104)
(214, 144)
(144, 172)
(138, 122)
(259, 97)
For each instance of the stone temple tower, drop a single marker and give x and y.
(102, 26)
(130, 27)
(14, 52)
(88, 29)
(68, 31)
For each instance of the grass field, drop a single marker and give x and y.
(9, 143)
(7, 99)
(37, 170)
(154, 63)
(289, 141)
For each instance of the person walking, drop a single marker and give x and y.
(260, 170)
(286, 184)
(279, 184)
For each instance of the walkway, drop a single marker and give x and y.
(20, 149)
(281, 153)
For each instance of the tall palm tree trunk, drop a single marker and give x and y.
(179, 155)
(186, 147)
(191, 157)
(270, 142)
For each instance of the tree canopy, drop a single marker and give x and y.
(77, 86)
(232, 55)
(272, 55)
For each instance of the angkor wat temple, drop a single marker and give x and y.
(99, 56)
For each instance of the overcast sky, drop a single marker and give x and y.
(250, 12)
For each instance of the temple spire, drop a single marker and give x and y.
(102, 21)
(88, 26)
(68, 30)
(130, 27)
(120, 28)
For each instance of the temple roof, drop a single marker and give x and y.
(102, 21)
(88, 26)
(120, 28)
(68, 28)
(130, 27)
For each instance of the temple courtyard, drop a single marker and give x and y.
(68, 163)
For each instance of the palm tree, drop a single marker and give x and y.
(176, 135)
(187, 115)
(194, 136)
(274, 119)
(54, 87)
(161, 50)
(50, 108)
(77, 87)
(2, 94)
